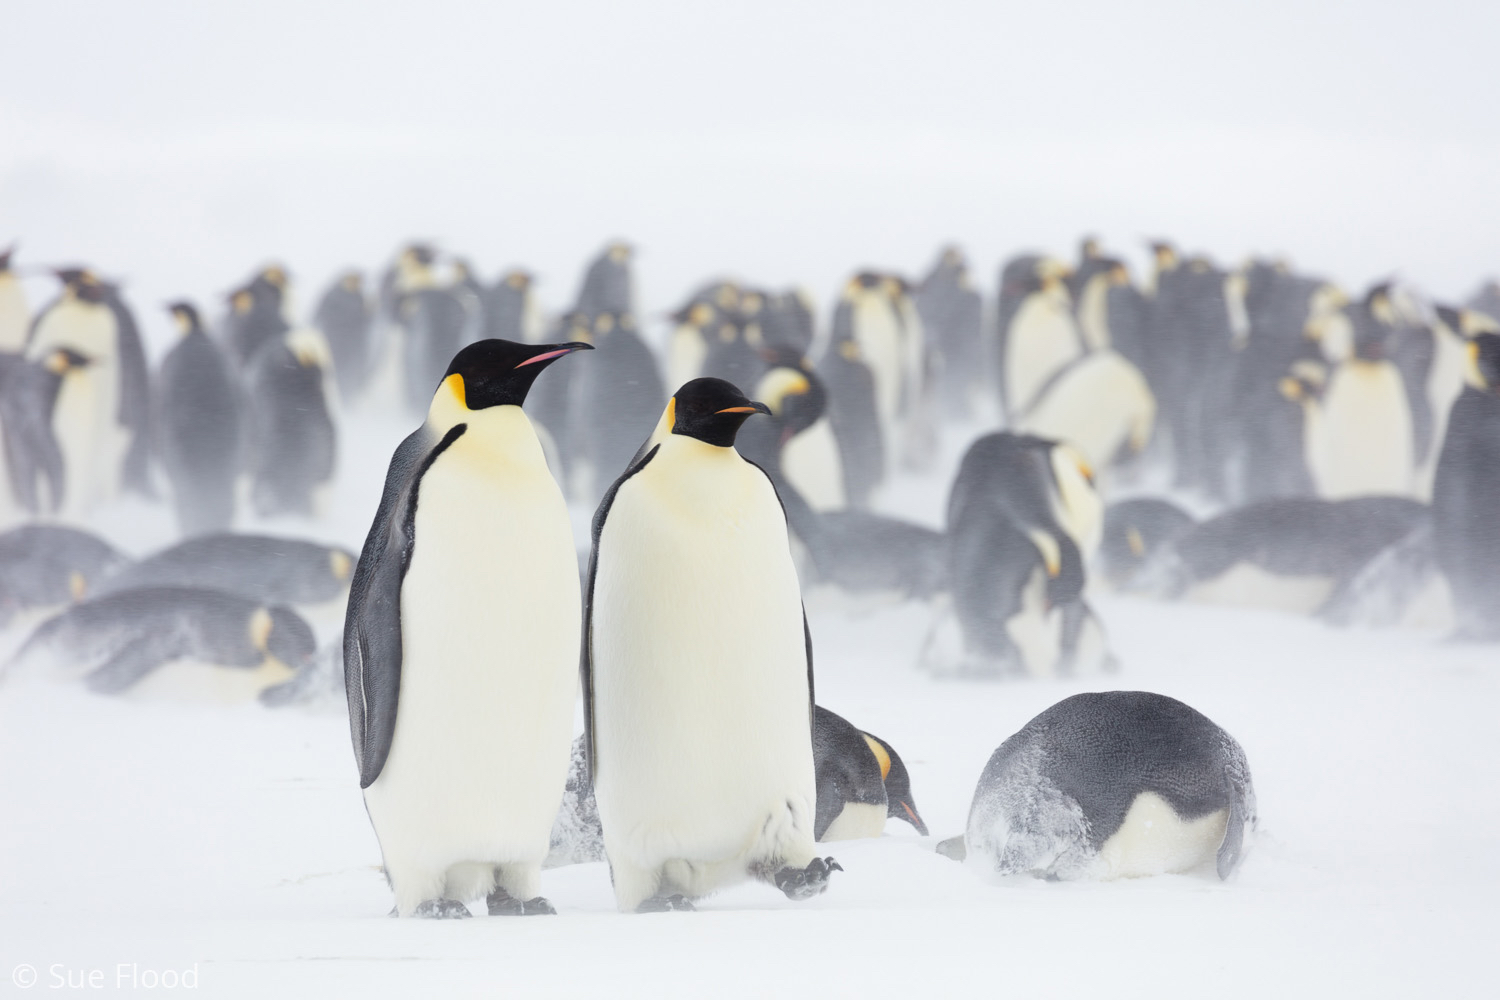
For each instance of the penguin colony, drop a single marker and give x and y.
(1247, 435)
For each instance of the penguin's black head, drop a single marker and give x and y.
(281, 633)
(5, 256)
(519, 280)
(500, 372)
(711, 410)
(422, 253)
(1484, 349)
(186, 317)
(82, 283)
(899, 802)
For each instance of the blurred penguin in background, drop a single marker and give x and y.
(511, 311)
(101, 414)
(1023, 520)
(695, 325)
(198, 428)
(1487, 300)
(1359, 435)
(853, 409)
(257, 315)
(344, 317)
(1466, 496)
(1038, 336)
(797, 442)
(48, 566)
(615, 403)
(436, 321)
(788, 322)
(1452, 332)
(15, 317)
(292, 440)
(608, 285)
(35, 479)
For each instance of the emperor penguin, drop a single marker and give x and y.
(697, 669)
(511, 311)
(952, 314)
(1112, 784)
(344, 316)
(1023, 522)
(1359, 436)
(97, 417)
(853, 411)
(799, 438)
(49, 565)
(608, 285)
(1134, 531)
(1452, 331)
(460, 645)
(35, 480)
(293, 441)
(614, 402)
(695, 325)
(1466, 496)
(1041, 335)
(263, 567)
(198, 427)
(861, 781)
(1487, 300)
(126, 637)
(15, 317)
(788, 323)
(257, 315)
(1099, 403)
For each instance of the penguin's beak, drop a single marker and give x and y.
(577, 345)
(754, 407)
(916, 820)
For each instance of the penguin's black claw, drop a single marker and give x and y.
(441, 909)
(805, 883)
(503, 904)
(665, 904)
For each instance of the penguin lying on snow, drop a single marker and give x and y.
(126, 636)
(861, 782)
(261, 567)
(1134, 530)
(1291, 553)
(1466, 496)
(43, 566)
(1113, 784)
(695, 648)
(461, 642)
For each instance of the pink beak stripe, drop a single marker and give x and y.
(545, 357)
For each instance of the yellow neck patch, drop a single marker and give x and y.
(880, 755)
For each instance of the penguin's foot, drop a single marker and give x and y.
(441, 909)
(503, 904)
(805, 883)
(665, 904)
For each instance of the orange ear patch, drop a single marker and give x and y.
(881, 756)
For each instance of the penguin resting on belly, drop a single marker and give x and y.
(1114, 784)
(460, 645)
(697, 669)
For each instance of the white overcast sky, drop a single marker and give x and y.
(178, 144)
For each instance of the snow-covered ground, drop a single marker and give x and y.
(233, 839)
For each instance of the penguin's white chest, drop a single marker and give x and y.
(1359, 442)
(490, 628)
(701, 702)
(1102, 404)
(1041, 341)
(879, 337)
(13, 315)
(1154, 840)
(857, 821)
(84, 418)
(812, 464)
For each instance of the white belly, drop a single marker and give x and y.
(701, 707)
(14, 317)
(85, 418)
(1041, 341)
(1154, 840)
(858, 821)
(880, 343)
(1359, 441)
(195, 682)
(490, 619)
(811, 463)
(1101, 405)
(1246, 585)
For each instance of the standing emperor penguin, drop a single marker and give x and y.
(510, 309)
(198, 428)
(14, 316)
(100, 411)
(460, 645)
(1466, 496)
(697, 669)
(344, 317)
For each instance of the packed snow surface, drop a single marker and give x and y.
(233, 839)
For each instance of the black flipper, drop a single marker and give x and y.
(372, 624)
(586, 653)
